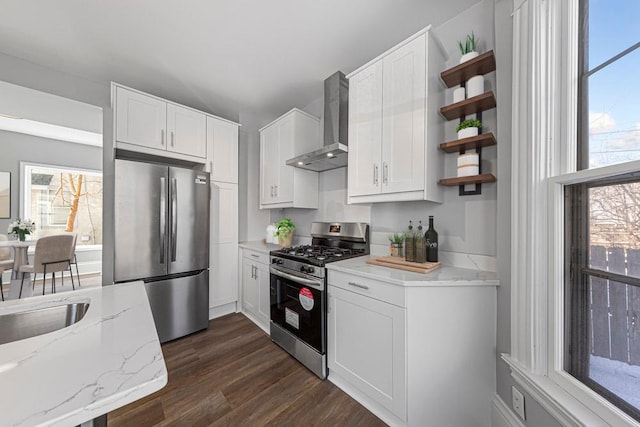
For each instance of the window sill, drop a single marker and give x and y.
(563, 406)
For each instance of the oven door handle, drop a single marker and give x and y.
(313, 283)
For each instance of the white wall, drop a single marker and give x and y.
(465, 224)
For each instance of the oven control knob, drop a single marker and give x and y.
(277, 261)
(306, 269)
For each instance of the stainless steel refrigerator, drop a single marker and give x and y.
(162, 238)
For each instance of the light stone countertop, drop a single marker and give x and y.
(445, 275)
(108, 359)
(259, 246)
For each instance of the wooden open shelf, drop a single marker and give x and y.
(482, 102)
(471, 143)
(466, 180)
(481, 64)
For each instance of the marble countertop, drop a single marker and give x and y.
(259, 246)
(106, 360)
(445, 275)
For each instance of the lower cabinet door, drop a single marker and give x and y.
(223, 274)
(264, 295)
(249, 286)
(367, 347)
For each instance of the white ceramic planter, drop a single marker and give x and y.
(458, 95)
(467, 132)
(475, 86)
(468, 164)
(468, 56)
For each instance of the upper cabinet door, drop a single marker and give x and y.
(222, 150)
(284, 181)
(403, 127)
(269, 163)
(186, 131)
(365, 131)
(140, 119)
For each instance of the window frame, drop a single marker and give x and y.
(25, 198)
(544, 153)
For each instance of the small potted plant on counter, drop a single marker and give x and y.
(284, 231)
(396, 239)
(468, 128)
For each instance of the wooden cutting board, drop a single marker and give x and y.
(401, 264)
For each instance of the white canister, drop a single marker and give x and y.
(475, 86)
(458, 95)
(468, 164)
(271, 238)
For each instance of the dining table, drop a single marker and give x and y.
(20, 257)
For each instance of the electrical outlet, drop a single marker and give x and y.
(517, 401)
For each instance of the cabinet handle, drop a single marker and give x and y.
(385, 173)
(172, 138)
(272, 191)
(255, 255)
(358, 285)
(276, 189)
(161, 136)
(375, 174)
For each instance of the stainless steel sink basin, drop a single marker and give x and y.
(27, 324)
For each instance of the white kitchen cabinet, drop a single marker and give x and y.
(406, 345)
(140, 119)
(151, 125)
(282, 186)
(367, 347)
(255, 288)
(186, 131)
(223, 252)
(394, 127)
(222, 150)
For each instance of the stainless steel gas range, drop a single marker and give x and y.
(299, 289)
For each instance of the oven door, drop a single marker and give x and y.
(298, 304)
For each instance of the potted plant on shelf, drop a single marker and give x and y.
(284, 231)
(396, 239)
(468, 128)
(468, 49)
(21, 228)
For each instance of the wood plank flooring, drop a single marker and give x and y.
(233, 375)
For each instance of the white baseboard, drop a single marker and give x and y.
(222, 310)
(502, 415)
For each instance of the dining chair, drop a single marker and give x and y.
(74, 261)
(51, 256)
(6, 263)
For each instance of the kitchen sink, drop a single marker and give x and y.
(27, 324)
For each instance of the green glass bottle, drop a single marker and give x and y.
(431, 236)
(409, 245)
(420, 245)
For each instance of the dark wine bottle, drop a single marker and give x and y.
(431, 237)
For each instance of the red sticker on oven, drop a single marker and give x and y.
(306, 299)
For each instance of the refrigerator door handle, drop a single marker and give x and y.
(163, 218)
(174, 218)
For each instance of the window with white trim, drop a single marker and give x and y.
(63, 199)
(602, 214)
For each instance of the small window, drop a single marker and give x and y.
(61, 199)
(602, 216)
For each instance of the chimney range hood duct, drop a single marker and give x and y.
(336, 116)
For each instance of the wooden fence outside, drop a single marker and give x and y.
(615, 306)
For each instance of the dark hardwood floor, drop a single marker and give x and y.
(233, 375)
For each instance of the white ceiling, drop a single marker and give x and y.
(224, 56)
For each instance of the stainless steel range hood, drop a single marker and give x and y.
(336, 116)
